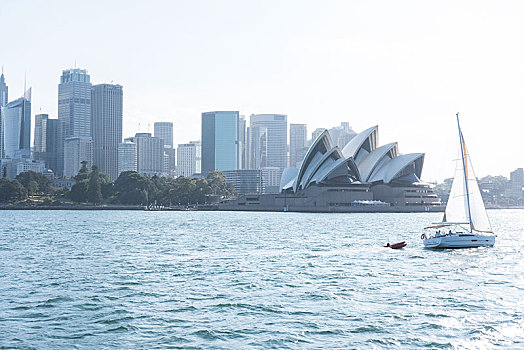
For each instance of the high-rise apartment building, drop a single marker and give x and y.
(297, 144)
(127, 156)
(74, 108)
(276, 125)
(219, 141)
(150, 154)
(106, 126)
(76, 150)
(16, 128)
(186, 159)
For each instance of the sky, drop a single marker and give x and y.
(406, 66)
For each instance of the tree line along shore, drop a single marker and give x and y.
(92, 187)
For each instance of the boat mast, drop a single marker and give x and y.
(463, 150)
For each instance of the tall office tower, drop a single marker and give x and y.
(106, 127)
(258, 146)
(51, 152)
(76, 150)
(186, 159)
(150, 154)
(297, 144)
(219, 141)
(74, 108)
(164, 130)
(3, 101)
(16, 128)
(40, 133)
(242, 143)
(46, 138)
(276, 125)
(127, 157)
(198, 156)
(4, 90)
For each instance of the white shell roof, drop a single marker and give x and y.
(369, 163)
(323, 160)
(351, 149)
(322, 145)
(288, 177)
(390, 170)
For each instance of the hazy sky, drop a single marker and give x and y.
(407, 66)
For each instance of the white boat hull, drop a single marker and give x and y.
(460, 241)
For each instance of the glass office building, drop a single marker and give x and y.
(219, 141)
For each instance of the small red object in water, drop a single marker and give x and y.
(396, 245)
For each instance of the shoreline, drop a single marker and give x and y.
(214, 208)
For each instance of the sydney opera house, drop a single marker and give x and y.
(362, 176)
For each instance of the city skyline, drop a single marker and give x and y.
(391, 65)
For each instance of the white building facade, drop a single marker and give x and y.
(186, 159)
(77, 150)
(127, 156)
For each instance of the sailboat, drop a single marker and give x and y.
(465, 223)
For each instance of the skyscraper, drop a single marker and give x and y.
(74, 108)
(186, 159)
(242, 143)
(276, 125)
(40, 142)
(258, 146)
(16, 128)
(164, 130)
(198, 156)
(3, 101)
(46, 138)
(297, 143)
(127, 157)
(3, 90)
(150, 154)
(219, 141)
(106, 127)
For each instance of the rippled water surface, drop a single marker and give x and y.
(128, 279)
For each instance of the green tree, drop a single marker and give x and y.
(11, 190)
(4, 172)
(133, 188)
(106, 185)
(35, 183)
(94, 190)
(219, 186)
(83, 173)
(78, 192)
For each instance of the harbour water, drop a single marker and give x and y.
(227, 280)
